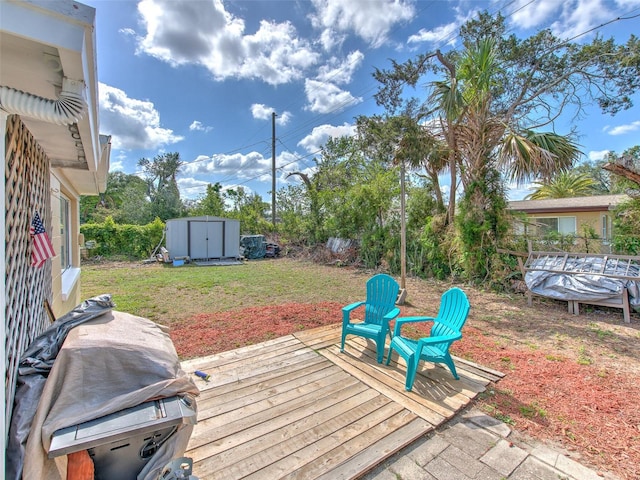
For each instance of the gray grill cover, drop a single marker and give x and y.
(106, 364)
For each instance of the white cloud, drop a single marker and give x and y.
(197, 126)
(264, 112)
(369, 19)
(568, 18)
(624, 129)
(117, 164)
(327, 98)
(284, 118)
(578, 16)
(128, 32)
(204, 33)
(330, 39)
(191, 187)
(341, 72)
(261, 112)
(292, 163)
(519, 192)
(133, 124)
(529, 14)
(319, 136)
(439, 34)
(446, 34)
(233, 170)
(236, 165)
(288, 162)
(595, 155)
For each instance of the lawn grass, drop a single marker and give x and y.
(168, 294)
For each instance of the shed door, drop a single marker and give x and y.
(205, 239)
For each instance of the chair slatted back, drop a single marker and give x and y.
(382, 293)
(453, 312)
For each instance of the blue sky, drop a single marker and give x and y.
(202, 77)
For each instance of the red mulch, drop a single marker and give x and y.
(209, 333)
(585, 408)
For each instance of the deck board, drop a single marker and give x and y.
(296, 407)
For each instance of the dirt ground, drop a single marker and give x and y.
(570, 380)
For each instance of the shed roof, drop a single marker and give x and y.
(203, 218)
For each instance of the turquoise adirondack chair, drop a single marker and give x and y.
(380, 309)
(446, 329)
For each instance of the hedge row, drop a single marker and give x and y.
(134, 241)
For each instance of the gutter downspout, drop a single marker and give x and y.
(68, 109)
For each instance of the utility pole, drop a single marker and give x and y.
(273, 168)
(403, 239)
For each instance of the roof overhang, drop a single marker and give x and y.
(596, 203)
(45, 46)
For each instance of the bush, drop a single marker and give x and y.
(133, 241)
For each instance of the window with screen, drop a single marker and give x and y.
(563, 225)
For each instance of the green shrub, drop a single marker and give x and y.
(133, 241)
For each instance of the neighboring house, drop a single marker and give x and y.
(568, 216)
(53, 154)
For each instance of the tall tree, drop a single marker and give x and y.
(402, 139)
(125, 199)
(212, 203)
(499, 91)
(162, 185)
(496, 96)
(250, 209)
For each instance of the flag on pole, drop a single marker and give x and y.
(41, 247)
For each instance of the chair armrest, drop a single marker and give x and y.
(392, 314)
(346, 311)
(348, 308)
(402, 320)
(440, 339)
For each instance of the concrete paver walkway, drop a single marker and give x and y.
(475, 446)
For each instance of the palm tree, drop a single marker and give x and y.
(487, 142)
(484, 138)
(564, 185)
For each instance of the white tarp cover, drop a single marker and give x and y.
(107, 364)
(573, 284)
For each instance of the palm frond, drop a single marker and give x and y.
(564, 185)
(532, 154)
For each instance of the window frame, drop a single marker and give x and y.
(66, 250)
(558, 227)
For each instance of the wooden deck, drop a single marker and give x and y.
(295, 407)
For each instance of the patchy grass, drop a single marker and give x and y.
(168, 294)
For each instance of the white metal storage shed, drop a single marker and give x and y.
(203, 238)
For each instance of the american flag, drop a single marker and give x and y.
(41, 248)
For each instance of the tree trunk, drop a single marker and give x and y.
(623, 172)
